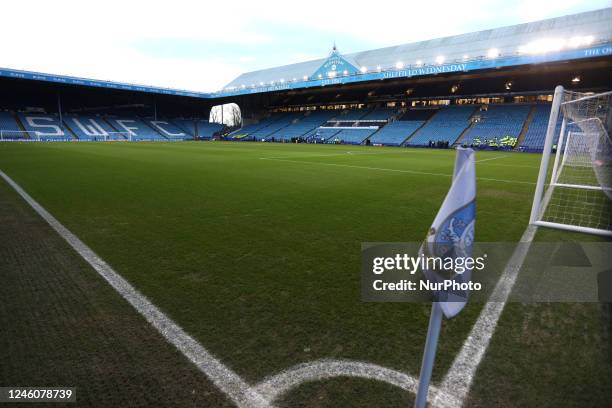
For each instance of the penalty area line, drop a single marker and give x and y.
(225, 379)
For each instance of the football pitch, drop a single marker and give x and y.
(254, 250)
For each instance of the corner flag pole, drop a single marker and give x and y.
(429, 355)
(452, 233)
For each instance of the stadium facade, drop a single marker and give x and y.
(492, 85)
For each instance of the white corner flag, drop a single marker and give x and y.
(451, 235)
(452, 232)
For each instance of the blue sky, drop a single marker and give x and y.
(204, 45)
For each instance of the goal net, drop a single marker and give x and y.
(578, 195)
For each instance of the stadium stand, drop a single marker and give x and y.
(9, 129)
(352, 136)
(246, 132)
(322, 134)
(186, 125)
(207, 130)
(395, 133)
(352, 115)
(305, 125)
(134, 128)
(281, 121)
(91, 128)
(494, 122)
(169, 130)
(536, 133)
(380, 114)
(44, 127)
(445, 125)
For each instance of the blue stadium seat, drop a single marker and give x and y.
(394, 134)
(45, 127)
(305, 125)
(323, 134)
(186, 125)
(206, 130)
(91, 128)
(496, 122)
(352, 115)
(134, 128)
(380, 114)
(272, 131)
(352, 136)
(536, 133)
(9, 129)
(169, 130)
(446, 125)
(249, 131)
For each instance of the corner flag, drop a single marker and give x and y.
(451, 235)
(452, 232)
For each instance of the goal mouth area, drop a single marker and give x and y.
(578, 196)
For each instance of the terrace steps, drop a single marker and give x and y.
(19, 124)
(403, 143)
(410, 136)
(525, 128)
(467, 129)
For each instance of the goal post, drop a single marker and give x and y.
(578, 194)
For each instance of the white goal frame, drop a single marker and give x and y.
(541, 197)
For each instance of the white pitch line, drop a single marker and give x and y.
(459, 377)
(396, 170)
(351, 152)
(490, 158)
(228, 381)
(452, 393)
(275, 386)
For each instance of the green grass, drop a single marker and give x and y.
(63, 325)
(254, 248)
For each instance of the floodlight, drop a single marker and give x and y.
(363, 70)
(399, 65)
(440, 59)
(419, 63)
(542, 46)
(493, 53)
(574, 42)
(576, 79)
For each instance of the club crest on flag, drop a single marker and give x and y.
(455, 235)
(452, 232)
